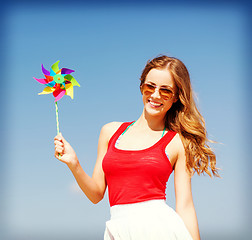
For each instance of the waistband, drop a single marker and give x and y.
(123, 210)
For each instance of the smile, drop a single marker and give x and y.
(154, 104)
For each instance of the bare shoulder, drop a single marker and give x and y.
(175, 149)
(109, 129)
(178, 143)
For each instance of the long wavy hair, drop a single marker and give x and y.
(184, 117)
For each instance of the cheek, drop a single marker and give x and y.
(144, 98)
(169, 104)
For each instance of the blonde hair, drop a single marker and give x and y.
(184, 117)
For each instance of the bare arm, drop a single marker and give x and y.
(94, 187)
(184, 200)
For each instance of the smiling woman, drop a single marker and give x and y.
(135, 160)
(183, 117)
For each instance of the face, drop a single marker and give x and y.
(159, 101)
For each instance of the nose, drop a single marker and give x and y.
(156, 93)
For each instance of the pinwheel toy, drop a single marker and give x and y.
(59, 82)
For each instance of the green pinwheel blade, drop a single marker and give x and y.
(55, 67)
(72, 80)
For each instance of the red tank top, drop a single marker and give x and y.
(136, 175)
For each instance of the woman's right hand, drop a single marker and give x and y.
(64, 152)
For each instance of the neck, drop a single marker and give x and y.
(155, 123)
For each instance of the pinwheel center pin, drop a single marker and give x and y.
(58, 78)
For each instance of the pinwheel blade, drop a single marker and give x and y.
(46, 72)
(66, 71)
(41, 80)
(55, 67)
(52, 73)
(49, 78)
(51, 84)
(72, 80)
(47, 90)
(69, 90)
(58, 94)
(58, 81)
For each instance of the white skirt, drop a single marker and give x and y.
(150, 220)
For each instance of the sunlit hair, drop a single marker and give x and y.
(184, 117)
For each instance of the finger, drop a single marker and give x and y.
(59, 146)
(58, 138)
(59, 150)
(58, 156)
(58, 143)
(62, 138)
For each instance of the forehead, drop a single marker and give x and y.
(160, 77)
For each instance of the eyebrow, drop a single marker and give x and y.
(147, 81)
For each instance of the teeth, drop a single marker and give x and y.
(155, 104)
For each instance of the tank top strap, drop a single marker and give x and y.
(167, 139)
(118, 132)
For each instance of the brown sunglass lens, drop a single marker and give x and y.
(166, 93)
(148, 89)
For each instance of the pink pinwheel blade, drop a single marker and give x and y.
(66, 71)
(42, 80)
(58, 94)
(46, 72)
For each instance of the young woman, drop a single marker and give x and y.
(135, 159)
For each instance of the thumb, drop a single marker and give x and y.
(62, 138)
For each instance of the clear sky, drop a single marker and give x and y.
(108, 46)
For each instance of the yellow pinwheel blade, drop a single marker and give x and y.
(47, 90)
(69, 90)
(72, 80)
(55, 67)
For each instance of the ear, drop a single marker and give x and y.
(175, 99)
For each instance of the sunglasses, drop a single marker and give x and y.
(149, 89)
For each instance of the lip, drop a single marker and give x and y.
(155, 104)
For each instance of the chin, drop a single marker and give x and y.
(154, 112)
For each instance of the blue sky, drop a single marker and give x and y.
(108, 48)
